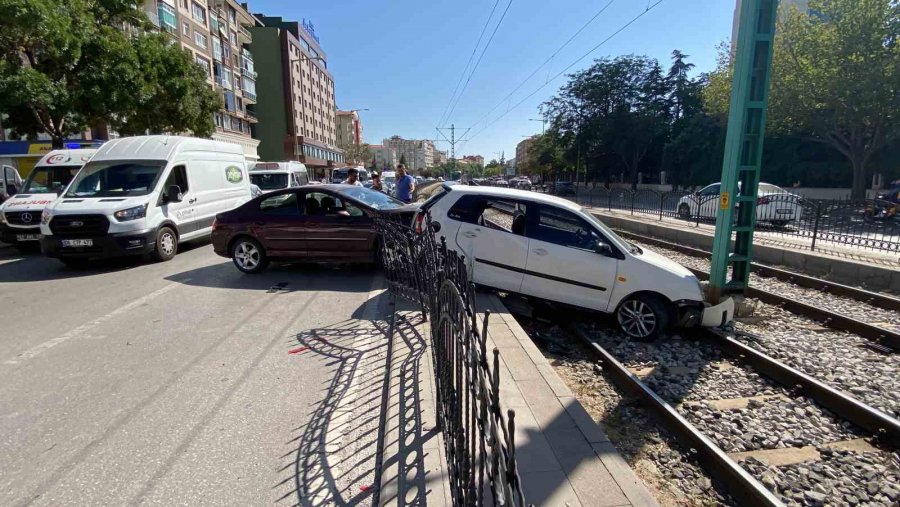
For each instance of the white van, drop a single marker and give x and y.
(10, 182)
(269, 176)
(340, 174)
(20, 215)
(144, 195)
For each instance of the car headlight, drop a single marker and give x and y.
(131, 213)
(46, 215)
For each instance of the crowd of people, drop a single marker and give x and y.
(404, 188)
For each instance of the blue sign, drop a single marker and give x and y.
(310, 29)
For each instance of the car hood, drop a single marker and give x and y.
(664, 263)
(21, 202)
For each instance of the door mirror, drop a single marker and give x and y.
(603, 249)
(435, 226)
(173, 194)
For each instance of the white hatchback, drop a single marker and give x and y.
(550, 248)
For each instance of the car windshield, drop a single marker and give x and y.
(372, 198)
(49, 179)
(269, 181)
(116, 179)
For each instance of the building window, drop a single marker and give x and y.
(198, 13)
(167, 18)
(232, 36)
(186, 28)
(218, 119)
(232, 15)
(200, 39)
(217, 48)
(226, 79)
(184, 4)
(203, 62)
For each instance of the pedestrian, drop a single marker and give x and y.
(376, 182)
(406, 184)
(353, 177)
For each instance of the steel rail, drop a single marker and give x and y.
(740, 484)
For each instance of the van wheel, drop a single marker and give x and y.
(249, 256)
(643, 317)
(166, 245)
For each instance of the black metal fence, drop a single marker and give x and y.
(479, 438)
(872, 224)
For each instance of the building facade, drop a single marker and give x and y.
(440, 157)
(349, 129)
(295, 105)
(473, 159)
(418, 153)
(385, 157)
(523, 159)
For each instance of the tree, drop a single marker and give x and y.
(836, 78)
(67, 64)
(357, 153)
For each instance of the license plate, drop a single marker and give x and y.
(77, 242)
(785, 211)
(27, 237)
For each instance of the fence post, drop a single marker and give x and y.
(609, 200)
(661, 198)
(815, 233)
(632, 202)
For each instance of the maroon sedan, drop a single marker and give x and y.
(316, 223)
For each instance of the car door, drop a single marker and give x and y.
(563, 263)
(495, 250)
(708, 201)
(337, 229)
(280, 225)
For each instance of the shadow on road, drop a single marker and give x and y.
(279, 278)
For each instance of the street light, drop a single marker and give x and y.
(542, 120)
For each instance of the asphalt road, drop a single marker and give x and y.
(187, 382)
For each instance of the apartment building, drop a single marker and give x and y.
(523, 158)
(296, 95)
(418, 153)
(386, 158)
(349, 129)
(473, 159)
(440, 157)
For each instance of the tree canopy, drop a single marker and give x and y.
(68, 64)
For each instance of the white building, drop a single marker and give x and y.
(385, 157)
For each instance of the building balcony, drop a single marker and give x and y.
(250, 115)
(244, 36)
(249, 95)
(248, 72)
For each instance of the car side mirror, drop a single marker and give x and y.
(173, 194)
(603, 249)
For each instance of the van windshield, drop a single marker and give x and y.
(269, 181)
(116, 179)
(339, 175)
(49, 179)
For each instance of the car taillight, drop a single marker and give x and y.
(762, 200)
(419, 226)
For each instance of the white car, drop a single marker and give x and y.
(551, 248)
(774, 205)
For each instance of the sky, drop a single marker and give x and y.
(403, 59)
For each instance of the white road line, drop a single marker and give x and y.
(82, 329)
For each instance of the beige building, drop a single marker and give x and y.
(418, 153)
(523, 159)
(440, 157)
(473, 159)
(385, 157)
(349, 129)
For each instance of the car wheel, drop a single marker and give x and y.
(249, 256)
(779, 223)
(75, 263)
(643, 317)
(166, 245)
(684, 211)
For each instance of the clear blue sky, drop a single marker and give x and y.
(403, 58)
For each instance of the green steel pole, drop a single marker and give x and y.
(743, 148)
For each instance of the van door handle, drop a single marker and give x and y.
(192, 201)
(540, 251)
(470, 234)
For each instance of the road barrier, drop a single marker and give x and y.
(478, 439)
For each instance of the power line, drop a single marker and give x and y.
(483, 51)
(474, 50)
(582, 57)
(548, 60)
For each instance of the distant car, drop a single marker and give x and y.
(774, 205)
(323, 223)
(550, 248)
(564, 188)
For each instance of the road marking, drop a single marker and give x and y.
(82, 329)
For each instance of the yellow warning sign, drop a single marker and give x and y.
(724, 201)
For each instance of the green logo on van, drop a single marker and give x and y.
(234, 174)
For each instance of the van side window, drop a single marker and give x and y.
(178, 176)
(303, 179)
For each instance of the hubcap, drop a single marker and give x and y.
(637, 319)
(246, 255)
(167, 243)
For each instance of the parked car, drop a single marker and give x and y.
(144, 195)
(553, 249)
(269, 176)
(20, 216)
(324, 223)
(563, 188)
(774, 205)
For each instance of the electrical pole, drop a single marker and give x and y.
(452, 142)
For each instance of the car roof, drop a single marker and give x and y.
(514, 193)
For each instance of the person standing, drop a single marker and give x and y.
(376, 182)
(353, 178)
(406, 184)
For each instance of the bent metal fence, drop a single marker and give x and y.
(873, 224)
(479, 438)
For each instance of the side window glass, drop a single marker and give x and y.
(322, 204)
(353, 211)
(178, 176)
(710, 190)
(303, 179)
(467, 209)
(563, 228)
(504, 215)
(284, 205)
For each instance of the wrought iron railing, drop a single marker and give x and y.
(479, 438)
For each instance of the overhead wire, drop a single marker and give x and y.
(471, 57)
(582, 57)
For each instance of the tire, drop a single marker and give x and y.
(779, 224)
(684, 211)
(166, 245)
(75, 262)
(249, 256)
(643, 317)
